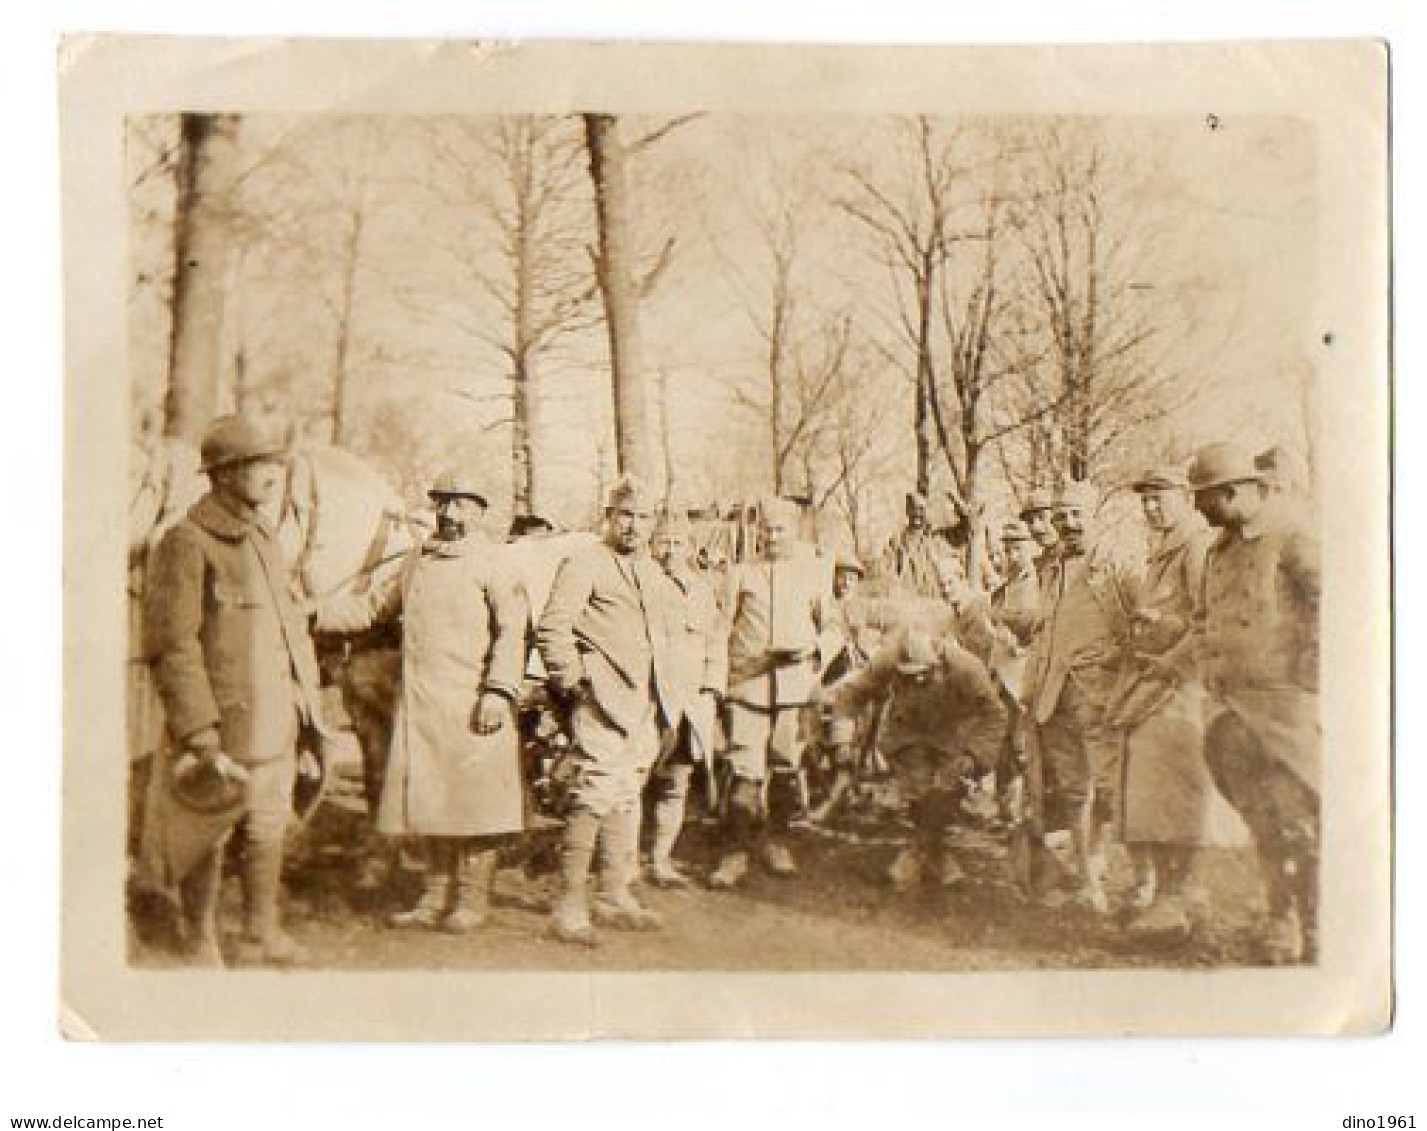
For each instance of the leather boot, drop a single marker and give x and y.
(669, 805)
(615, 905)
(201, 891)
(264, 940)
(471, 880)
(570, 915)
(436, 884)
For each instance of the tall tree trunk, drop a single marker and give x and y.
(633, 402)
(195, 362)
(922, 422)
(352, 251)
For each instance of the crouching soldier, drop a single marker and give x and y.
(1257, 620)
(234, 667)
(453, 774)
(943, 724)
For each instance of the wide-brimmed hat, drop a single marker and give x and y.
(456, 483)
(1015, 531)
(238, 439)
(1218, 464)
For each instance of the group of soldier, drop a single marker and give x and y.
(1141, 714)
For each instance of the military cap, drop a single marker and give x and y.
(1078, 494)
(848, 563)
(238, 439)
(1038, 500)
(523, 524)
(456, 483)
(1218, 464)
(1161, 479)
(917, 653)
(1015, 531)
(777, 507)
(632, 491)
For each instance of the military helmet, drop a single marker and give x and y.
(1160, 479)
(917, 653)
(1015, 531)
(237, 439)
(1216, 465)
(456, 483)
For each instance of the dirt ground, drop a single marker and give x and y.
(839, 914)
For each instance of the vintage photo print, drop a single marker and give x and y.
(574, 541)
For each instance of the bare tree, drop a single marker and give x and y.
(204, 173)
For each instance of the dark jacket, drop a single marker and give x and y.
(228, 645)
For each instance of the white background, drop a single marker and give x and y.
(885, 1085)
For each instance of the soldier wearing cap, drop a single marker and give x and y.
(234, 666)
(453, 773)
(698, 675)
(782, 632)
(1072, 671)
(1039, 517)
(921, 561)
(1257, 622)
(942, 726)
(606, 639)
(1171, 806)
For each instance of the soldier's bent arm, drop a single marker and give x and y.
(509, 610)
(555, 635)
(358, 612)
(173, 624)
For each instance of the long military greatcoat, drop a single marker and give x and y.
(463, 633)
(1169, 795)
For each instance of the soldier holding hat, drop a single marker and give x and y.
(234, 667)
(1257, 621)
(453, 773)
(606, 638)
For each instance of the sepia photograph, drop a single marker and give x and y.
(687, 542)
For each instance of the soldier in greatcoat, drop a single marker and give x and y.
(1171, 806)
(234, 667)
(452, 780)
(1257, 623)
(698, 677)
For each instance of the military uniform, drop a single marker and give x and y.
(234, 667)
(942, 722)
(1257, 623)
(771, 606)
(606, 639)
(463, 620)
